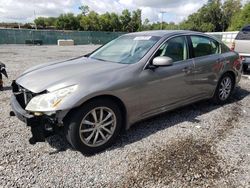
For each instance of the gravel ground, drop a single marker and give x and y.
(200, 145)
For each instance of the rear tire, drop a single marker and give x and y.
(224, 89)
(94, 126)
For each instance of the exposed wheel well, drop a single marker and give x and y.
(116, 100)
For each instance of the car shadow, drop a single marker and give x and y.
(247, 72)
(160, 122)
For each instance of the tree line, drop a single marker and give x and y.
(92, 21)
(214, 16)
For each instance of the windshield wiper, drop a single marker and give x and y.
(97, 58)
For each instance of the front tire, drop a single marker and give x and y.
(224, 89)
(94, 126)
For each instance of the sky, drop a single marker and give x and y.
(26, 10)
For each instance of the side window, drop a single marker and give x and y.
(204, 46)
(175, 48)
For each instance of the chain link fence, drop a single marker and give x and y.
(50, 37)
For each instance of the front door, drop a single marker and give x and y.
(170, 86)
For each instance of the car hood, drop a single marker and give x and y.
(57, 75)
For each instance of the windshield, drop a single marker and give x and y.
(125, 49)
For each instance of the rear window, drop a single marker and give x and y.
(246, 29)
(224, 48)
(244, 34)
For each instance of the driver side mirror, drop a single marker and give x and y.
(162, 61)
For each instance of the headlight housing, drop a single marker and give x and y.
(50, 101)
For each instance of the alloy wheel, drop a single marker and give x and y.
(98, 126)
(225, 88)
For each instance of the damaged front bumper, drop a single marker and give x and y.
(42, 126)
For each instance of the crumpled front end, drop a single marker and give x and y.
(42, 125)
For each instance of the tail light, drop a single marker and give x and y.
(233, 46)
(238, 63)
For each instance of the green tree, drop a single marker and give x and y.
(85, 23)
(125, 20)
(230, 8)
(146, 25)
(214, 15)
(115, 22)
(90, 22)
(171, 26)
(84, 9)
(207, 18)
(240, 19)
(43, 22)
(135, 23)
(193, 22)
(40, 22)
(155, 26)
(94, 21)
(67, 21)
(105, 22)
(50, 21)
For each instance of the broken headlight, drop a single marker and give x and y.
(50, 101)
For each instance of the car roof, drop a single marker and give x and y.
(163, 33)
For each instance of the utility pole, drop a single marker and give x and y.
(162, 13)
(35, 18)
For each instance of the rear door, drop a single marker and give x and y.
(208, 62)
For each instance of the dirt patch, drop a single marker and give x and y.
(230, 123)
(190, 162)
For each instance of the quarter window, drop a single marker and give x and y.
(204, 46)
(175, 48)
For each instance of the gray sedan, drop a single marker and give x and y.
(136, 76)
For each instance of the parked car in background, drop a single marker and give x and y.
(226, 37)
(136, 76)
(242, 46)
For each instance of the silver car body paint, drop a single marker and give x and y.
(144, 92)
